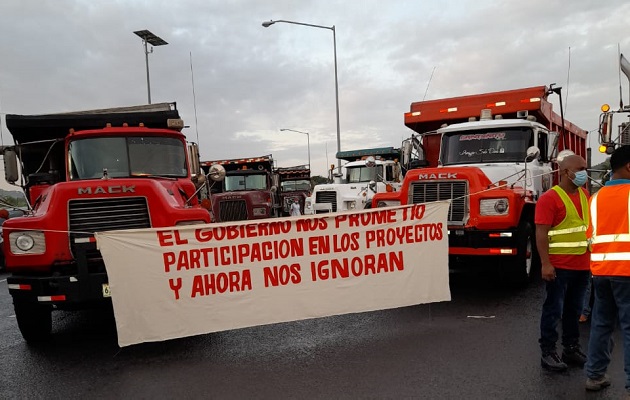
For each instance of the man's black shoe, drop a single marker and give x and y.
(574, 356)
(552, 362)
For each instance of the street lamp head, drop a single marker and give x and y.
(267, 24)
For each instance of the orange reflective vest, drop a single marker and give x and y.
(609, 231)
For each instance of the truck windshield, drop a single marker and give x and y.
(245, 182)
(293, 186)
(364, 174)
(127, 156)
(497, 145)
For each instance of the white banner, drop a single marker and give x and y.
(174, 282)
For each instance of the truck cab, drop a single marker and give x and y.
(294, 186)
(83, 173)
(491, 156)
(248, 191)
(367, 172)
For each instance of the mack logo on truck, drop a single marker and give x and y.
(107, 189)
(442, 175)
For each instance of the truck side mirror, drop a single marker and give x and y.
(193, 158)
(11, 171)
(216, 172)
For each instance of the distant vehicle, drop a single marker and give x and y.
(368, 171)
(248, 191)
(12, 214)
(607, 139)
(295, 186)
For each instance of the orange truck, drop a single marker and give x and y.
(491, 155)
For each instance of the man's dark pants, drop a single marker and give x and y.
(564, 301)
(612, 304)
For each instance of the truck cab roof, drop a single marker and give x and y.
(489, 124)
(382, 152)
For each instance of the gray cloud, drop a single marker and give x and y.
(251, 81)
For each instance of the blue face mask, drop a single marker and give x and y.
(580, 178)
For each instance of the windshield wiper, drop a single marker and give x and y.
(170, 177)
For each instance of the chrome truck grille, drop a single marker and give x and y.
(96, 215)
(327, 197)
(456, 191)
(233, 210)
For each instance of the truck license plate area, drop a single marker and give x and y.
(106, 291)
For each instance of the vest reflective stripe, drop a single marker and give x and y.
(567, 230)
(610, 257)
(569, 236)
(622, 237)
(569, 244)
(611, 251)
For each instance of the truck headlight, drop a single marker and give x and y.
(27, 242)
(494, 206)
(259, 211)
(352, 205)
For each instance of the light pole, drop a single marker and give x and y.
(153, 40)
(267, 24)
(308, 143)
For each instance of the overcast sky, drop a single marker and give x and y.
(251, 81)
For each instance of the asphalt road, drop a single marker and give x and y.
(436, 351)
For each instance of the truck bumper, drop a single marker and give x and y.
(64, 290)
(463, 242)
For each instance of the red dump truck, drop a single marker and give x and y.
(85, 172)
(248, 191)
(492, 155)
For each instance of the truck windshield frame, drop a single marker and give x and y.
(364, 174)
(296, 185)
(240, 182)
(486, 145)
(126, 157)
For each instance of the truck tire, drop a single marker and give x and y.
(525, 266)
(34, 321)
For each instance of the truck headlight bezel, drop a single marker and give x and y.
(494, 207)
(259, 211)
(27, 242)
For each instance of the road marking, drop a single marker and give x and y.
(4, 280)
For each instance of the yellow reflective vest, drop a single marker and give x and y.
(569, 236)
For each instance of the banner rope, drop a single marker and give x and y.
(493, 187)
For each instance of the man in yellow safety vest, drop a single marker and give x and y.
(562, 218)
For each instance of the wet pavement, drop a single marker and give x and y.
(481, 345)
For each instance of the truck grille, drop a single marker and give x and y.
(96, 215)
(233, 210)
(456, 191)
(327, 197)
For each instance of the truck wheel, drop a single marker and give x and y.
(525, 266)
(34, 321)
